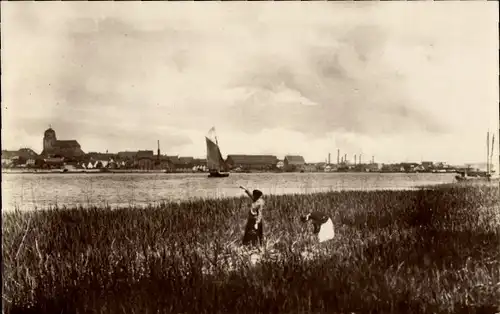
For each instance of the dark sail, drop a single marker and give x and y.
(214, 157)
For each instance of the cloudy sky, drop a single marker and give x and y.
(401, 81)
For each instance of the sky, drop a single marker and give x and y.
(400, 81)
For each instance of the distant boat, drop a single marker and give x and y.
(491, 173)
(481, 175)
(216, 165)
(463, 176)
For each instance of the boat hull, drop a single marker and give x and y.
(218, 174)
(478, 178)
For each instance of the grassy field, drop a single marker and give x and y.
(426, 251)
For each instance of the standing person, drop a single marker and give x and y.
(322, 223)
(253, 230)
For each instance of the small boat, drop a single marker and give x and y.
(218, 174)
(481, 175)
(217, 167)
(462, 176)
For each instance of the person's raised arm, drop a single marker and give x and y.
(247, 191)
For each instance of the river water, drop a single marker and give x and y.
(30, 191)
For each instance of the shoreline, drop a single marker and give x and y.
(59, 171)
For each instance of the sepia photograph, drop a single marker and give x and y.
(250, 157)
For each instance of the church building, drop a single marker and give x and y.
(64, 148)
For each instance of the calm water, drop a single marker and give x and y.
(28, 191)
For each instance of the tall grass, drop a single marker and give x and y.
(426, 251)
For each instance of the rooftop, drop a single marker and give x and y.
(253, 159)
(295, 160)
(67, 144)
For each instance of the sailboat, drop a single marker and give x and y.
(488, 174)
(491, 173)
(216, 165)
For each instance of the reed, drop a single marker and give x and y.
(425, 251)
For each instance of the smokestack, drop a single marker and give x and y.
(373, 159)
(355, 159)
(338, 156)
(360, 158)
(345, 158)
(328, 158)
(158, 156)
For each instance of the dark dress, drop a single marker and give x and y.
(254, 236)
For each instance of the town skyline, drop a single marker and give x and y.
(340, 157)
(421, 85)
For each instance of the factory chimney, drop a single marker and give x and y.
(158, 155)
(338, 156)
(360, 158)
(328, 158)
(355, 159)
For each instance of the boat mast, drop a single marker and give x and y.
(221, 166)
(215, 136)
(488, 153)
(491, 152)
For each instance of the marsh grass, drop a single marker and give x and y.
(425, 251)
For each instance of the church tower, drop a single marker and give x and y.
(49, 140)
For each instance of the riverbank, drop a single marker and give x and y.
(81, 171)
(90, 171)
(425, 251)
